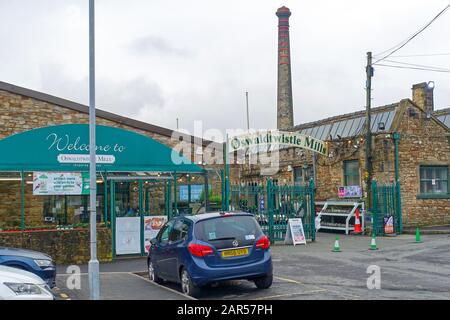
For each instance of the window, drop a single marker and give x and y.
(241, 228)
(196, 192)
(163, 236)
(303, 174)
(179, 231)
(351, 173)
(434, 180)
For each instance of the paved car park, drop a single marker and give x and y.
(408, 270)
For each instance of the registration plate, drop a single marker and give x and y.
(234, 253)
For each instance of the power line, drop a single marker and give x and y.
(413, 68)
(418, 65)
(422, 55)
(405, 42)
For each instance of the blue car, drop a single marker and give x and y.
(35, 262)
(208, 248)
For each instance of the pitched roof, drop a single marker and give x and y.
(443, 115)
(350, 124)
(85, 109)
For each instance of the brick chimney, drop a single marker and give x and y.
(422, 95)
(285, 114)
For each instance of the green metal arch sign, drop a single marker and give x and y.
(275, 137)
(66, 148)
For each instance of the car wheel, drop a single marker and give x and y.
(152, 275)
(264, 282)
(187, 286)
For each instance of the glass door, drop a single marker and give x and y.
(154, 204)
(127, 216)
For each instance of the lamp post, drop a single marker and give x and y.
(94, 287)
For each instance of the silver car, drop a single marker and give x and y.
(16, 284)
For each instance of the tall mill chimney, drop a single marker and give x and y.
(285, 115)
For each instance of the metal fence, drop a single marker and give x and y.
(273, 205)
(386, 209)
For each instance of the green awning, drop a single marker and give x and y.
(66, 148)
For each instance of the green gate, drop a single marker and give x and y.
(273, 205)
(386, 209)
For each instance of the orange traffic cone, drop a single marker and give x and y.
(357, 229)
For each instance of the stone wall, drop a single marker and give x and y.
(20, 113)
(423, 142)
(10, 204)
(65, 247)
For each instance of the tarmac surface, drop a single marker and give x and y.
(408, 270)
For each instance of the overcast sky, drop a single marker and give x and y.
(158, 60)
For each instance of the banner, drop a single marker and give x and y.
(60, 183)
(152, 225)
(292, 139)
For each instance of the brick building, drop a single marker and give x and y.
(21, 111)
(424, 156)
(422, 160)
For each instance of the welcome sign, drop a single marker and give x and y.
(65, 148)
(291, 139)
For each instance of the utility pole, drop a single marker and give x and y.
(177, 124)
(248, 118)
(248, 128)
(368, 158)
(93, 267)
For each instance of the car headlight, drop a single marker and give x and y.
(24, 288)
(44, 263)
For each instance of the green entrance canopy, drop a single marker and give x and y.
(66, 148)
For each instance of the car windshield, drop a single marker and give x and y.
(228, 228)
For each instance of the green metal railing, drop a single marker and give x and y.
(386, 204)
(273, 205)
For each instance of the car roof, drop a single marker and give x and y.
(24, 253)
(204, 216)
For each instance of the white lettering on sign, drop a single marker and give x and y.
(65, 143)
(84, 158)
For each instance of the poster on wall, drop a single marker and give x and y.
(295, 233)
(152, 225)
(350, 192)
(60, 183)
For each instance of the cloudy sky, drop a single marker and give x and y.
(158, 60)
